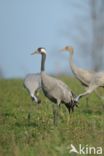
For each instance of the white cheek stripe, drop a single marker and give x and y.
(43, 51)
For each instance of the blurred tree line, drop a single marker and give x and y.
(97, 16)
(91, 30)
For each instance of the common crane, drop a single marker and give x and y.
(84, 76)
(54, 89)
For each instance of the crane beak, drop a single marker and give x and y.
(62, 50)
(67, 48)
(35, 52)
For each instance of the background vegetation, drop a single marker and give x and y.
(20, 137)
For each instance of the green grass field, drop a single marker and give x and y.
(39, 137)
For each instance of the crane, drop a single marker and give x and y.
(84, 76)
(54, 89)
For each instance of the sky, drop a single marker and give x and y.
(26, 25)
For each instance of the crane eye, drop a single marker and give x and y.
(41, 50)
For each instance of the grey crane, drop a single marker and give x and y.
(84, 76)
(54, 89)
(33, 84)
(97, 81)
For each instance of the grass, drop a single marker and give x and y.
(19, 137)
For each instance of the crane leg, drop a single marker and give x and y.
(29, 113)
(101, 98)
(56, 112)
(29, 116)
(34, 98)
(89, 91)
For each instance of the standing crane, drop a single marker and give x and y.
(54, 89)
(84, 76)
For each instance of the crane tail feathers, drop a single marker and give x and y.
(70, 106)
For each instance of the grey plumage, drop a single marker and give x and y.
(33, 84)
(84, 76)
(56, 90)
(97, 81)
(89, 79)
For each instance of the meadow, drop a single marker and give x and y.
(39, 136)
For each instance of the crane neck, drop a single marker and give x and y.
(72, 65)
(43, 62)
(71, 60)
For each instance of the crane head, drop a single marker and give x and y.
(39, 51)
(68, 48)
